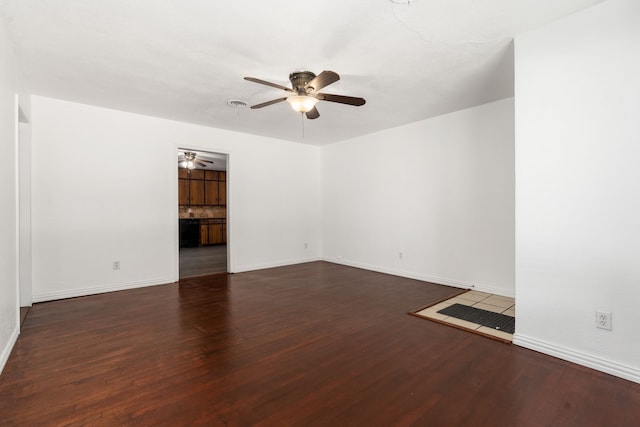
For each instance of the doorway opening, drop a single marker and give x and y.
(202, 213)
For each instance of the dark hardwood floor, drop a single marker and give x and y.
(315, 344)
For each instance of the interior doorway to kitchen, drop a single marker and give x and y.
(202, 212)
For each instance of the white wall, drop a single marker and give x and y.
(578, 193)
(441, 191)
(9, 320)
(104, 188)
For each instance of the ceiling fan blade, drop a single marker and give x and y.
(206, 161)
(264, 82)
(312, 114)
(266, 104)
(323, 79)
(199, 163)
(350, 100)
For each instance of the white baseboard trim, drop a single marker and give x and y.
(617, 369)
(426, 278)
(6, 351)
(72, 293)
(264, 266)
(494, 290)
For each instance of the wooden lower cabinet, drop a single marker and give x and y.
(213, 231)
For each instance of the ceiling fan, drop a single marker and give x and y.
(303, 95)
(188, 160)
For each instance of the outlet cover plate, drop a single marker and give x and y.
(603, 320)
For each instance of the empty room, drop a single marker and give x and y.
(388, 213)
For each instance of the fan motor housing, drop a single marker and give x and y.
(299, 79)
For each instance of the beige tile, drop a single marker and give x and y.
(463, 323)
(430, 314)
(458, 300)
(489, 307)
(473, 296)
(500, 301)
(439, 306)
(510, 312)
(495, 333)
(482, 294)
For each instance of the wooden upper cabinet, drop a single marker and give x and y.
(183, 191)
(196, 192)
(211, 196)
(222, 193)
(196, 174)
(211, 175)
(199, 187)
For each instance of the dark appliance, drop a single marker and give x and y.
(189, 233)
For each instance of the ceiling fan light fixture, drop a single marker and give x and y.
(302, 103)
(189, 160)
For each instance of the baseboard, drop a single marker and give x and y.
(72, 293)
(6, 351)
(493, 290)
(426, 278)
(617, 369)
(263, 266)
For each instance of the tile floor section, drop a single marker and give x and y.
(482, 300)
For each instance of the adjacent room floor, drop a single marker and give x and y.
(482, 300)
(315, 344)
(203, 260)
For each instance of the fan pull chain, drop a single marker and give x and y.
(302, 120)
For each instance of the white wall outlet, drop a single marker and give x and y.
(603, 320)
(306, 245)
(116, 265)
(400, 255)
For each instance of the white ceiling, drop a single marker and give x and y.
(184, 60)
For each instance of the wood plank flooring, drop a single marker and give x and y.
(315, 344)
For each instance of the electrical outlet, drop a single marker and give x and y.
(306, 245)
(603, 320)
(116, 265)
(400, 255)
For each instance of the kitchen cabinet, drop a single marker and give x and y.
(211, 196)
(196, 192)
(183, 191)
(222, 188)
(202, 187)
(211, 193)
(213, 231)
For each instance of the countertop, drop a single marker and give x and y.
(202, 217)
